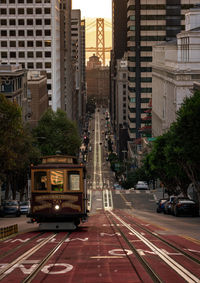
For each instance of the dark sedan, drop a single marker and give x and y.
(10, 207)
(184, 206)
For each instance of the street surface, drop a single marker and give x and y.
(124, 240)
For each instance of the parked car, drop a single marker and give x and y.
(184, 206)
(142, 185)
(117, 186)
(10, 207)
(161, 205)
(24, 207)
(168, 205)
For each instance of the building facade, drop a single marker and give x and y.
(148, 24)
(37, 96)
(97, 80)
(119, 46)
(76, 49)
(13, 85)
(34, 33)
(175, 68)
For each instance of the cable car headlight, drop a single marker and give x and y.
(57, 207)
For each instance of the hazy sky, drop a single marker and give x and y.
(93, 8)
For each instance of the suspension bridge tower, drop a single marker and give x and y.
(100, 40)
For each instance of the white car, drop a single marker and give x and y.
(142, 185)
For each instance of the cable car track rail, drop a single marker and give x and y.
(189, 256)
(178, 268)
(144, 263)
(27, 254)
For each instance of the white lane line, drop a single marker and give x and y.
(184, 273)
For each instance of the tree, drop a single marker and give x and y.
(16, 150)
(55, 132)
(185, 133)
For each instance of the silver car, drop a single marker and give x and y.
(24, 207)
(142, 185)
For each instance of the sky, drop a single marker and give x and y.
(93, 8)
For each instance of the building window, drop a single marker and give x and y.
(12, 11)
(38, 11)
(3, 43)
(21, 55)
(12, 43)
(124, 104)
(3, 32)
(21, 32)
(39, 65)
(21, 11)
(38, 22)
(30, 54)
(12, 54)
(124, 98)
(47, 21)
(20, 1)
(124, 92)
(3, 22)
(30, 65)
(21, 22)
(48, 76)
(29, 10)
(38, 32)
(30, 44)
(47, 65)
(21, 44)
(48, 86)
(38, 43)
(38, 54)
(4, 55)
(47, 10)
(29, 22)
(47, 43)
(12, 22)
(12, 33)
(47, 54)
(29, 32)
(47, 32)
(12, 1)
(124, 86)
(3, 12)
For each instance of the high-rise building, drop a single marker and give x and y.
(148, 24)
(32, 34)
(77, 62)
(119, 46)
(83, 77)
(119, 25)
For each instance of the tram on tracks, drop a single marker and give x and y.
(58, 193)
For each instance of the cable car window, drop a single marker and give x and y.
(40, 181)
(74, 181)
(57, 180)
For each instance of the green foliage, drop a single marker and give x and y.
(16, 149)
(175, 156)
(55, 132)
